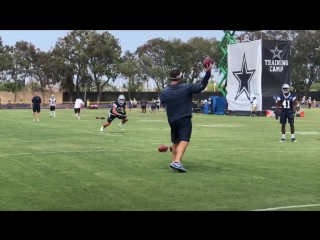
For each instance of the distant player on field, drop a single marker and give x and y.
(36, 103)
(288, 105)
(52, 105)
(303, 101)
(118, 110)
(77, 105)
(153, 106)
(144, 103)
(158, 104)
(254, 107)
(309, 102)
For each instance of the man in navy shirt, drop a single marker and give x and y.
(36, 105)
(178, 100)
(288, 104)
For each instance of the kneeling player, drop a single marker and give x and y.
(118, 110)
(288, 105)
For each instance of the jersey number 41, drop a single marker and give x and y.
(286, 104)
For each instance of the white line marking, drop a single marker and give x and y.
(288, 207)
(220, 125)
(149, 150)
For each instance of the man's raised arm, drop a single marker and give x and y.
(198, 88)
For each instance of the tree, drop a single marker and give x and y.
(201, 48)
(178, 55)
(305, 60)
(45, 69)
(130, 70)
(20, 58)
(152, 60)
(71, 49)
(64, 74)
(104, 54)
(32, 85)
(5, 61)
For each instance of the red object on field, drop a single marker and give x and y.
(162, 148)
(93, 106)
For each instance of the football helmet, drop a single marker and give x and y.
(121, 99)
(285, 88)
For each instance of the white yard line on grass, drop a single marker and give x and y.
(288, 207)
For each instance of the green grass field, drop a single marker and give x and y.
(234, 163)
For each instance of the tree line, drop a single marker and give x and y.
(90, 60)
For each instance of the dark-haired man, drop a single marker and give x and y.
(77, 107)
(144, 103)
(178, 99)
(36, 103)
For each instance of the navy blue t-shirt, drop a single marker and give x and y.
(36, 100)
(178, 98)
(287, 102)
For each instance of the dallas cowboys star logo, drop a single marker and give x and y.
(276, 53)
(244, 77)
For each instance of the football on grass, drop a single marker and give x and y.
(162, 148)
(207, 61)
(97, 117)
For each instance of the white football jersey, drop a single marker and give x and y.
(78, 103)
(254, 103)
(52, 102)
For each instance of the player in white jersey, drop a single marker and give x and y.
(303, 101)
(254, 107)
(77, 105)
(52, 105)
(309, 102)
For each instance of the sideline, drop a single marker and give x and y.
(288, 207)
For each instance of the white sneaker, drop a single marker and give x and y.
(101, 129)
(120, 126)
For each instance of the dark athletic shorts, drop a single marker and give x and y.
(52, 108)
(112, 117)
(36, 109)
(76, 110)
(286, 118)
(181, 130)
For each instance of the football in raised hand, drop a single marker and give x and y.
(207, 61)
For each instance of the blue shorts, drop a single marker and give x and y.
(285, 117)
(181, 130)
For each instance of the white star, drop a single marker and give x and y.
(276, 52)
